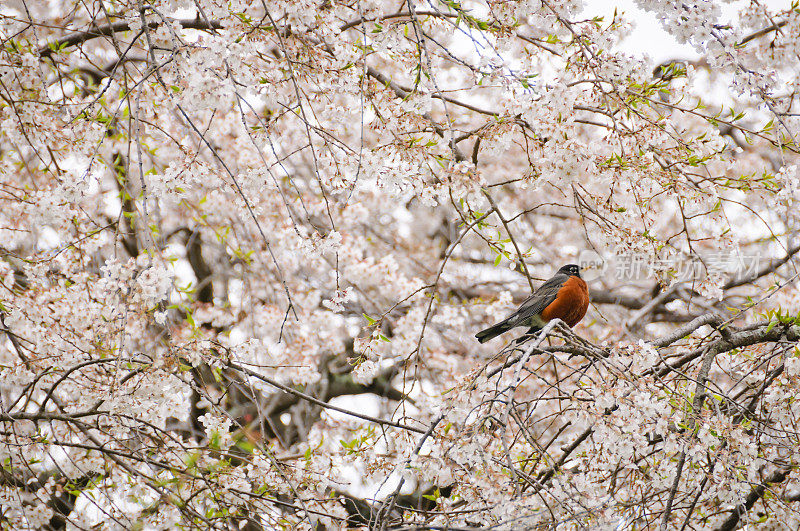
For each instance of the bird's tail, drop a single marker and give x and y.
(493, 331)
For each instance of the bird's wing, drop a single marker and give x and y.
(540, 299)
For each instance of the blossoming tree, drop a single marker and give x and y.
(245, 246)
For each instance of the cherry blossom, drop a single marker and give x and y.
(245, 247)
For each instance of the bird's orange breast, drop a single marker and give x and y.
(571, 302)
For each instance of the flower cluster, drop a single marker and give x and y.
(245, 247)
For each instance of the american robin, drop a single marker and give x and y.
(564, 296)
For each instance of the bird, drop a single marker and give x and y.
(565, 296)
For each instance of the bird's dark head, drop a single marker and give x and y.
(572, 270)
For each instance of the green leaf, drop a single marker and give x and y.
(433, 496)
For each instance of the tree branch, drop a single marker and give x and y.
(779, 476)
(103, 31)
